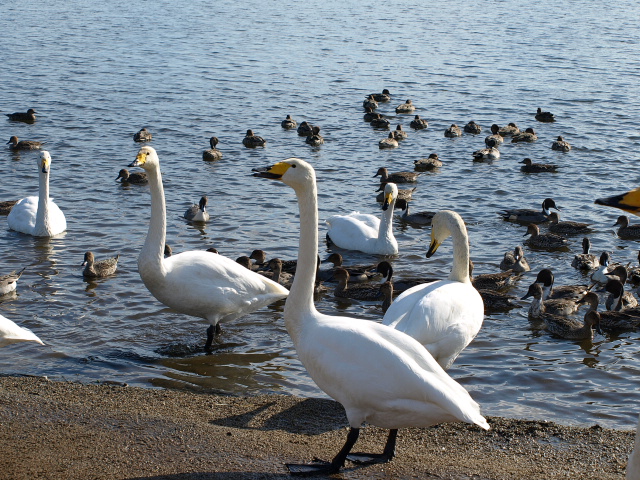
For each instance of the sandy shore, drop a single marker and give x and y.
(64, 430)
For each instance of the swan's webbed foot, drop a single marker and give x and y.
(320, 467)
(211, 331)
(371, 458)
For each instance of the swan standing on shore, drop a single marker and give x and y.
(367, 233)
(38, 216)
(379, 374)
(196, 283)
(446, 315)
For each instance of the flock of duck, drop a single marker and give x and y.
(425, 325)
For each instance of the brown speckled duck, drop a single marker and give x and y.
(14, 144)
(473, 127)
(99, 269)
(213, 154)
(425, 164)
(544, 240)
(406, 107)
(251, 141)
(418, 123)
(561, 145)
(453, 131)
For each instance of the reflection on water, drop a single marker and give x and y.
(220, 81)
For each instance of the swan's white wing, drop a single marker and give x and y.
(57, 220)
(443, 316)
(351, 231)
(405, 388)
(22, 217)
(12, 333)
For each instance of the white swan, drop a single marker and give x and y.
(446, 315)
(38, 216)
(380, 375)
(633, 464)
(12, 333)
(196, 283)
(367, 233)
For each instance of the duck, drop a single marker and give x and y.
(488, 153)
(634, 272)
(404, 283)
(405, 194)
(38, 216)
(389, 142)
(370, 102)
(491, 281)
(137, 178)
(406, 107)
(540, 306)
(260, 258)
(544, 240)
(9, 282)
(399, 134)
(628, 201)
(315, 140)
(509, 130)
(357, 273)
(571, 329)
(418, 123)
(585, 260)
(473, 127)
(305, 129)
(600, 275)
(251, 141)
(364, 232)
(276, 273)
(544, 116)
(213, 154)
(99, 269)
(495, 136)
(613, 321)
(359, 291)
(143, 135)
(420, 218)
(444, 316)
(495, 301)
(396, 177)
(429, 163)
(527, 215)
(386, 291)
(549, 291)
(14, 144)
(288, 123)
(168, 251)
(515, 261)
(379, 122)
(567, 228)
(245, 262)
(561, 145)
(402, 394)
(529, 135)
(385, 96)
(453, 131)
(198, 213)
(369, 114)
(618, 298)
(27, 117)
(196, 283)
(530, 167)
(6, 206)
(11, 333)
(626, 230)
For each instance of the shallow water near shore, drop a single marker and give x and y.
(98, 74)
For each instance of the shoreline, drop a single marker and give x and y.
(68, 430)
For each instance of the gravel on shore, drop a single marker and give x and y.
(67, 430)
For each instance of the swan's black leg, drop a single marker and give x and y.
(327, 468)
(211, 331)
(384, 457)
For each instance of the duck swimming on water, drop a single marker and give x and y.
(528, 215)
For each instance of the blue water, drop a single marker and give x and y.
(98, 72)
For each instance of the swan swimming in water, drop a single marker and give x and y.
(367, 233)
(342, 354)
(38, 216)
(446, 315)
(196, 283)
(12, 333)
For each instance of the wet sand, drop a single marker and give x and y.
(65, 430)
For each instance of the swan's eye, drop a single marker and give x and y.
(293, 166)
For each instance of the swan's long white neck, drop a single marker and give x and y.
(42, 226)
(152, 252)
(385, 232)
(460, 268)
(300, 299)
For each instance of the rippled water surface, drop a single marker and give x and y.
(98, 72)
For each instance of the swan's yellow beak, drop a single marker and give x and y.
(140, 160)
(46, 162)
(433, 246)
(275, 172)
(388, 198)
(629, 202)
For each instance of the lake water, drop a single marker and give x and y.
(98, 72)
